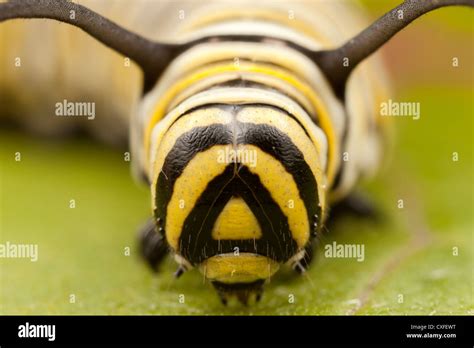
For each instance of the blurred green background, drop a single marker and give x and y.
(409, 265)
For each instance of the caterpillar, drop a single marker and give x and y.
(239, 124)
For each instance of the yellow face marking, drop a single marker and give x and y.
(189, 187)
(323, 115)
(236, 221)
(244, 267)
(284, 192)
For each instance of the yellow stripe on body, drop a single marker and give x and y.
(267, 80)
(322, 113)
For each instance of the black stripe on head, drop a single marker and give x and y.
(196, 242)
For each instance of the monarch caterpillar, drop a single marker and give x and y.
(243, 123)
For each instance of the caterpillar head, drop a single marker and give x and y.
(234, 194)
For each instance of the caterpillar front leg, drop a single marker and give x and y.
(152, 244)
